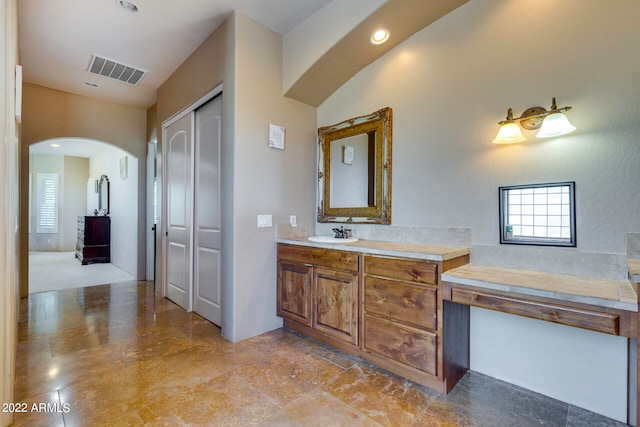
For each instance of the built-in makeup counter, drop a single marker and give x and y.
(617, 294)
(601, 305)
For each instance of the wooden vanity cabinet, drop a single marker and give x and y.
(401, 314)
(387, 310)
(318, 293)
(405, 329)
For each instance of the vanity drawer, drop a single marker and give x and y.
(608, 323)
(406, 302)
(412, 270)
(401, 343)
(331, 258)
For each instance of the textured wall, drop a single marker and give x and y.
(267, 180)
(448, 86)
(451, 83)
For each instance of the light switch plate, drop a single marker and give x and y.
(264, 221)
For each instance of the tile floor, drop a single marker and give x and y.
(116, 355)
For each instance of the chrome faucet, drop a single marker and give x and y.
(342, 233)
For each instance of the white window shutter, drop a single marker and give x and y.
(47, 187)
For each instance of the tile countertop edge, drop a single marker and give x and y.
(411, 251)
(633, 265)
(561, 296)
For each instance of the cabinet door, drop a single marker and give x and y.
(336, 304)
(294, 292)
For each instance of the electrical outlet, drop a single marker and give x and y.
(293, 221)
(264, 221)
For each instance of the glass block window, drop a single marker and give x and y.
(538, 214)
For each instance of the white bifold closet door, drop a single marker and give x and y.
(194, 242)
(207, 224)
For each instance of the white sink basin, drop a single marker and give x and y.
(329, 239)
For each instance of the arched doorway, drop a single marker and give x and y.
(74, 167)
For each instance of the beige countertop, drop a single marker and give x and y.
(408, 250)
(634, 269)
(619, 294)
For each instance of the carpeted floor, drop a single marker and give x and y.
(49, 271)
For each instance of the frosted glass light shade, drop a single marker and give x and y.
(555, 124)
(509, 133)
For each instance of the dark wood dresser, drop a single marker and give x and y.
(94, 239)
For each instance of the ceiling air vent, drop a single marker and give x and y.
(115, 70)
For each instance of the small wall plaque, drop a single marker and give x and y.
(124, 172)
(276, 137)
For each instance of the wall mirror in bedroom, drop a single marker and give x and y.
(354, 170)
(103, 195)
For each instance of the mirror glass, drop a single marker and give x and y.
(103, 195)
(354, 170)
(353, 161)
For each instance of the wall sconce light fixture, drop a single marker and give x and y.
(551, 123)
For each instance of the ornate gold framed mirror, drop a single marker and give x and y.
(354, 170)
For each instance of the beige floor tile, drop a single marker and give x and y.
(383, 397)
(118, 355)
(319, 408)
(42, 410)
(288, 373)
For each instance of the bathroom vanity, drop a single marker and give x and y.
(381, 301)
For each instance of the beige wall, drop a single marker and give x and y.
(267, 180)
(76, 174)
(246, 58)
(208, 66)
(9, 132)
(49, 113)
(73, 173)
(309, 41)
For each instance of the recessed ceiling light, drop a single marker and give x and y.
(91, 84)
(55, 145)
(127, 6)
(380, 36)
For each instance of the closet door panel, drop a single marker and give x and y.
(207, 227)
(179, 178)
